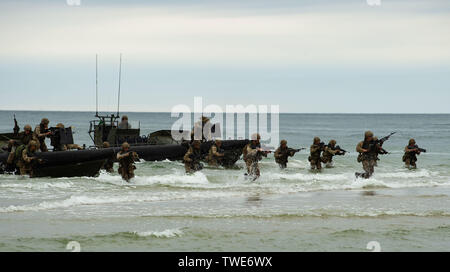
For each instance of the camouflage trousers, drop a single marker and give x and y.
(316, 164)
(127, 172)
(25, 169)
(252, 168)
(282, 163)
(369, 167)
(192, 167)
(328, 161)
(410, 163)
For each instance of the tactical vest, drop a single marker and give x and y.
(327, 156)
(316, 155)
(373, 152)
(283, 156)
(410, 155)
(26, 138)
(41, 130)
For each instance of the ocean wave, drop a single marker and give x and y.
(176, 178)
(37, 185)
(83, 200)
(168, 233)
(319, 213)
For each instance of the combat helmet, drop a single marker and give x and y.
(256, 137)
(27, 128)
(45, 121)
(368, 134)
(33, 143)
(125, 145)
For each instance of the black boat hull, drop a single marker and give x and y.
(89, 162)
(83, 163)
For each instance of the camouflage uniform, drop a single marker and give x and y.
(126, 160)
(215, 154)
(316, 150)
(410, 157)
(329, 153)
(26, 136)
(252, 156)
(40, 134)
(25, 161)
(368, 159)
(192, 158)
(281, 154)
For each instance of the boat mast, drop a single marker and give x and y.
(120, 76)
(96, 85)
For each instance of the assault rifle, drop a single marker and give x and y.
(338, 148)
(292, 150)
(265, 150)
(421, 150)
(384, 139)
(379, 143)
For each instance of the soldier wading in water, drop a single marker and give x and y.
(26, 158)
(329, 152)
(316, 151)
(411, 153)
(216, 154)
(193, 157)
(126, 160)
(253, 153)
(368, 153)
(283, 153)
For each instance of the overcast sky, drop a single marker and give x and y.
(306, 56)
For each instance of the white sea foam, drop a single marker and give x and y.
(169, 233)
(196, 178)
(37, 185)
(113, 199)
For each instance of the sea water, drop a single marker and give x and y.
(163, 209)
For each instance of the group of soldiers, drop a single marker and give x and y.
(369, 150)
(22, 150)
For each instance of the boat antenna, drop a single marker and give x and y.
(96, 85)
(120, 75)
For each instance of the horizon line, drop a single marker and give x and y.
(342, 113)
